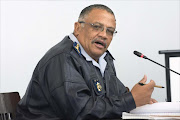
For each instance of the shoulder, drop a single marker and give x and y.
(64, 46)
(60, 50)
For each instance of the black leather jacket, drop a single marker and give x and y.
(66, 86)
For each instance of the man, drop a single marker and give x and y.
(76, 79)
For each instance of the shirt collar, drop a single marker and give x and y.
(102, 63)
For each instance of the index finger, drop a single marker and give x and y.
(151, 84)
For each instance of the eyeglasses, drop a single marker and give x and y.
(99, 28)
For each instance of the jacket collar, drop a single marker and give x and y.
(102, 62)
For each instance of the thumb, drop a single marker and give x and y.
(144, 79)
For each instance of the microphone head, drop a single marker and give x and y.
(140, 54)
(137, 53)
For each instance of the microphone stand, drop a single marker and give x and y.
(162, 66)
(143, 56)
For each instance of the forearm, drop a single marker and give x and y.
(79, 103)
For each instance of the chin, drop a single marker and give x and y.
(98, 55)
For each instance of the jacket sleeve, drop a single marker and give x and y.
(73, 99)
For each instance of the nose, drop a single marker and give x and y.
(103, 33)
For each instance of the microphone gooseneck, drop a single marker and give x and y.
(143, 56)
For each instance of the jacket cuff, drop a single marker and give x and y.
(129, 102)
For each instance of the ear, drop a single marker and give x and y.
(77, 28)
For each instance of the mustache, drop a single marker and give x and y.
(100, 39)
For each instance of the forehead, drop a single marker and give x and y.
(101, 16)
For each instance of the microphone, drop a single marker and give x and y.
(143, 56)
(140, 54)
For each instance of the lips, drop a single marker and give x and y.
(100, 43)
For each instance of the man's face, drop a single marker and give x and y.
(95, 41)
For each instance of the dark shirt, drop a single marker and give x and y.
(66, 86)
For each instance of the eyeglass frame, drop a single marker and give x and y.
(101, 28)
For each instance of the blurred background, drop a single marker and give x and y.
(31, 27)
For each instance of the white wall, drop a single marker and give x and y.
(29, 28)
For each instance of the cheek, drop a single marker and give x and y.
(108, 42)
(88, 42)
(88, 36)
(89, 39)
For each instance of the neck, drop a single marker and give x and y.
(97, 61)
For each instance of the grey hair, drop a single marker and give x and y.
(88, 9)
